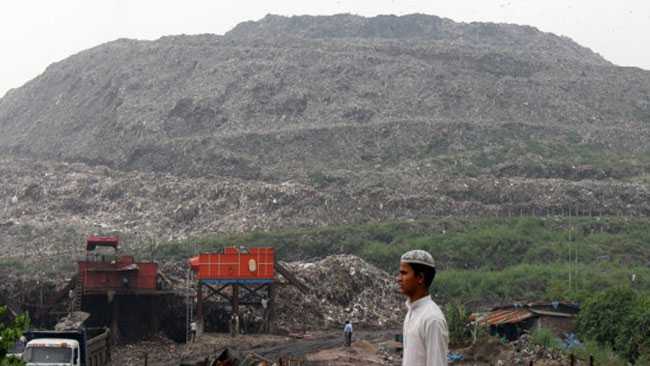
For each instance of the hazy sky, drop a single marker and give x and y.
(33, 34)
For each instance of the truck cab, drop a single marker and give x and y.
(70, 347)
(52, 352)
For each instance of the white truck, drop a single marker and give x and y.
(77, 347)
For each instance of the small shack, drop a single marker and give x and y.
(511, 321)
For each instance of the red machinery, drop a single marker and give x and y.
(256, 265)
(114, 272)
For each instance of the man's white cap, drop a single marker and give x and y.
(418, 256)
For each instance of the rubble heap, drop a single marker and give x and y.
(343, 287)
(47, 207)
(525, 352)
(491, 350)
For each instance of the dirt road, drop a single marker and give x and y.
(302, 347)
(165, 353)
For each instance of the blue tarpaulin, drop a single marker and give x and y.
(571, 341)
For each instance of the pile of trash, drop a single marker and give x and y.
(525, 351)
(73, 320)
(157, 350)
(341, 287)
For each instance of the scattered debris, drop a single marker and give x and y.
(73, 320)
(342, 287)
(78, 199)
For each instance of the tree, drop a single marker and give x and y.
(603, 316)
(635, 342)
(618, 318)
(9, 334)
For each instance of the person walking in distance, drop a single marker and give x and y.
(347, 332)
(425, 334)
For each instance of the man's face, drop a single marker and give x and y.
(407, 280)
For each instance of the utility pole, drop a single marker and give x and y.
(570, 259)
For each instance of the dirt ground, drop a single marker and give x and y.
(359, 353)
(325, 348)
(318, 348)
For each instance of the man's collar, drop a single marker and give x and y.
(417, 303)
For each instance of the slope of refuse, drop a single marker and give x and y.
(342, 287)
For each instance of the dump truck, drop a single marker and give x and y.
(73, 347)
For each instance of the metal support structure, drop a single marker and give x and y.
(154, 321)
(115, 318)
(199, 309)
(234, 317)
(189, 306)
(269, 311)
(78, 293)
(235, 295)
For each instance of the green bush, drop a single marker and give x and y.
(635, 340)
(603, 316)
(603, 355)
(15, 264)
(9, 334)
(458, 243)
(545, 338)
(618, 318)
(480, 260)
(460, 332)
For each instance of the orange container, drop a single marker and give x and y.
(233, 264)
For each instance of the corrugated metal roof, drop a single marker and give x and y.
(558, 314)
(506, 316)
(515, 313)
(554, 305)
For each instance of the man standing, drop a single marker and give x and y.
(426, 337)
(193, 331)
(347, 331)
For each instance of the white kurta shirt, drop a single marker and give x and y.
(426, 338)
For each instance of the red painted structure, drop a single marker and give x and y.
(113, 272)
(252, 265)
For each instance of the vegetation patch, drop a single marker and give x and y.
(481, 261)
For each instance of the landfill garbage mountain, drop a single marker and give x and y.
(292, 122)
(312, 121)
